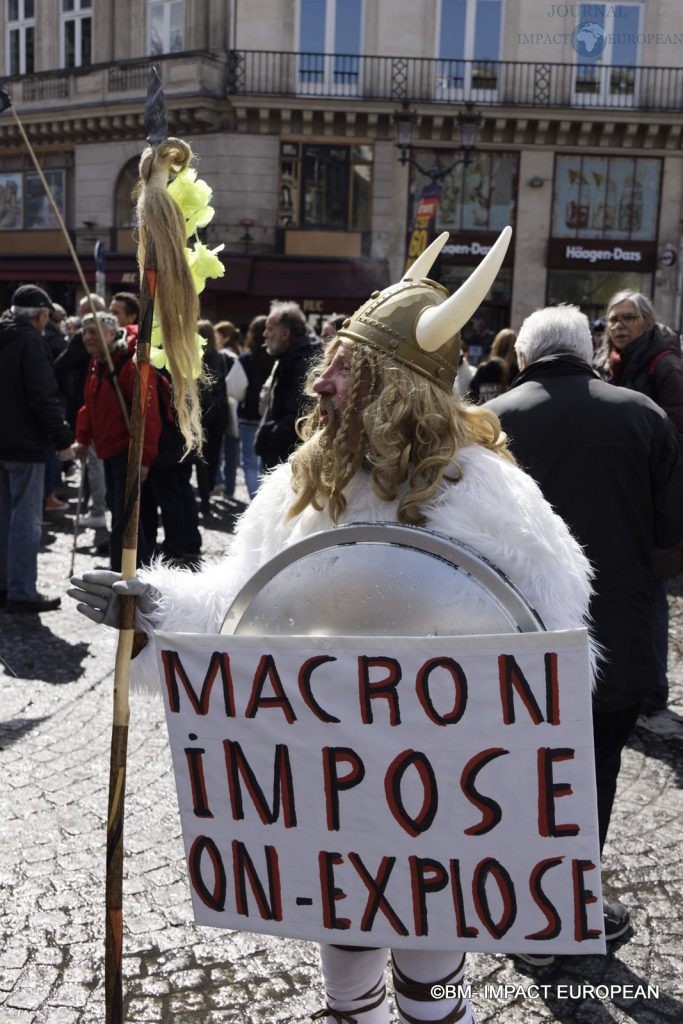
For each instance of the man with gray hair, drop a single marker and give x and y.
(608, 461)
(30, 421)
(288, 339)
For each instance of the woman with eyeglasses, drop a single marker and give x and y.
(646, 356)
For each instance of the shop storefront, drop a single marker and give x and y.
(474, 200)
(57, 274)
(604, 229)
(322, 287)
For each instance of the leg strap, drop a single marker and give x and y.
(377, 993)
(354, 985)
(421, 992)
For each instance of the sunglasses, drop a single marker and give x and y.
(622, 318)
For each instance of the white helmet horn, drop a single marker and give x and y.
(423, 264)
(437, 324)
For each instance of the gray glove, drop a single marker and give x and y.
(98, 594)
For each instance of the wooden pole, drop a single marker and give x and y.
(156, 121)
(124, 652)
(77, 520)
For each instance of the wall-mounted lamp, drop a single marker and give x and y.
(247, 237)
(536, 182)
(247, 223)
(405, 120)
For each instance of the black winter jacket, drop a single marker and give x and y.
(30, 413)
(55, 340)
(213, 395)
(609, 463)
(276, 437)
(71, 370)
(256, 370)
(652, 366)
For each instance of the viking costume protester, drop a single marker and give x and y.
(386, 442)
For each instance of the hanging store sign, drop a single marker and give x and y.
(601, 254)
(465, 248)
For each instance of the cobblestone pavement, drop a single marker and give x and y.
(55, 726)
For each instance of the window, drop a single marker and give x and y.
(75, 33)
(20, 36)
(325, 187)
(23, 202)
(11, 202)
(606, 197)
(124, 204)
(329, 45)
(605, 39)
(164, 26)
(592, 289)
(468, 48)
(477, 196)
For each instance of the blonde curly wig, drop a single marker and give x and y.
(411, 431)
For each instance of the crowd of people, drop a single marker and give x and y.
(383, 419)
(68, 381)
(67, 399)
(630, 350)
(387, 440)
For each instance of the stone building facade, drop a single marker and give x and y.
(291, 107)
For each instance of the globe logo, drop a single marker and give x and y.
(589, 40)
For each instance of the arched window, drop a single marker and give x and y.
(124, 204)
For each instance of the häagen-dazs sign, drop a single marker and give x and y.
(602, 254)
(617, 254)
(433, 792)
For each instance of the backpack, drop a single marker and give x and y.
(655, 361)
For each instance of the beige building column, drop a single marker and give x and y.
(534, 209)
(388, 216)
(669, 279)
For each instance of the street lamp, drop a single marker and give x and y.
(405, 120)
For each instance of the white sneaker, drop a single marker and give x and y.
(93, 521)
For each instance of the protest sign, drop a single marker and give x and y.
(424, 792)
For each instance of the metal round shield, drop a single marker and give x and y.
(379, 579)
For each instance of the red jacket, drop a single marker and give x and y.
(100, 420)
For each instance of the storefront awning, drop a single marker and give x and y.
(291, 278)
(27, 269)
(262, 277)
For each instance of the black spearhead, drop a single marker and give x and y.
(156, 113)
(5, 100)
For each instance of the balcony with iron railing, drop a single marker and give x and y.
(536, 84)
(299, 75)
(182, 74)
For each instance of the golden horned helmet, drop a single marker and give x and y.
(417, 322)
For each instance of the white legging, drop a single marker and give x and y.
(354, 984)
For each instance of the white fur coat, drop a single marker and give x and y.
(495, 507)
